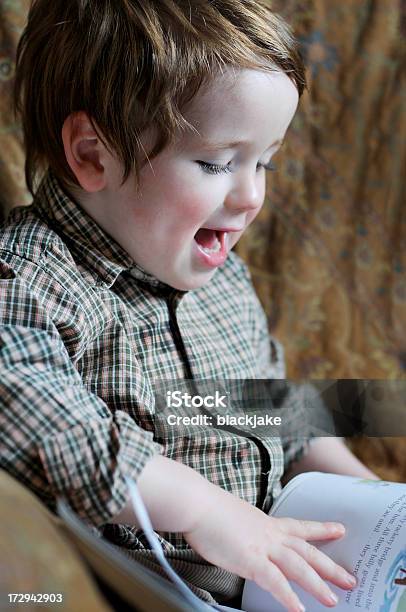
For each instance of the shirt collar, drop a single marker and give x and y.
(98, 251)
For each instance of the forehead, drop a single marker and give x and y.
(250, 105)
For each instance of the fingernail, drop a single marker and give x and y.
(299, 606)
(351, 580)
(338, 527)
(332, 598)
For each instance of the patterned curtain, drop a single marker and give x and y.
(328, 253)
(13, 191)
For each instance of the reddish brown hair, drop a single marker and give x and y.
(133, 64)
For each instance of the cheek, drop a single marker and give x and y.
(190, 202)
(176, 199)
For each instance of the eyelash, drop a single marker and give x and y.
(220, 168)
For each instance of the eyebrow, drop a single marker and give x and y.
(218, 146)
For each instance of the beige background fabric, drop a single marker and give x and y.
(12, 181)
(328, 252)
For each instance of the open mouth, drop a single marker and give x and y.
(209, 240)
(212, 246)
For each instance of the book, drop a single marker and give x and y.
(373, 547)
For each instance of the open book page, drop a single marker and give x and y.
(373, 548)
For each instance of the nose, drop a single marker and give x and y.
(246, 194)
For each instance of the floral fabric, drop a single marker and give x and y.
(328, 252)
(12, 181)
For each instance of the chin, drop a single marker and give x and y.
(193, 283)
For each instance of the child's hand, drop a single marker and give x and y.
(270, 551)
(232, 534)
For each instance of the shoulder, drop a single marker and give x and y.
(26, 237)
(41, 283)
(34, 253)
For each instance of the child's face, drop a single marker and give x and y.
(194, 184)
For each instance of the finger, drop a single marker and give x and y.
(322, 564)
(311, 530)
(296, 568)
(270, 578)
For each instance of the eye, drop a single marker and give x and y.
(214, 168)
(226, 168)
(270, 166)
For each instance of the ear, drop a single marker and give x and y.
(85, 152)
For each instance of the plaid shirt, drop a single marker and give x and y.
(84, 333)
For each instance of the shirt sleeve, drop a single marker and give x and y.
(55, 436)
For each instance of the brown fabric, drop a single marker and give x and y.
(39, 558)
(13, 191)
(384, 456)
(328, 255)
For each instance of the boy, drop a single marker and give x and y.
(153, 124)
